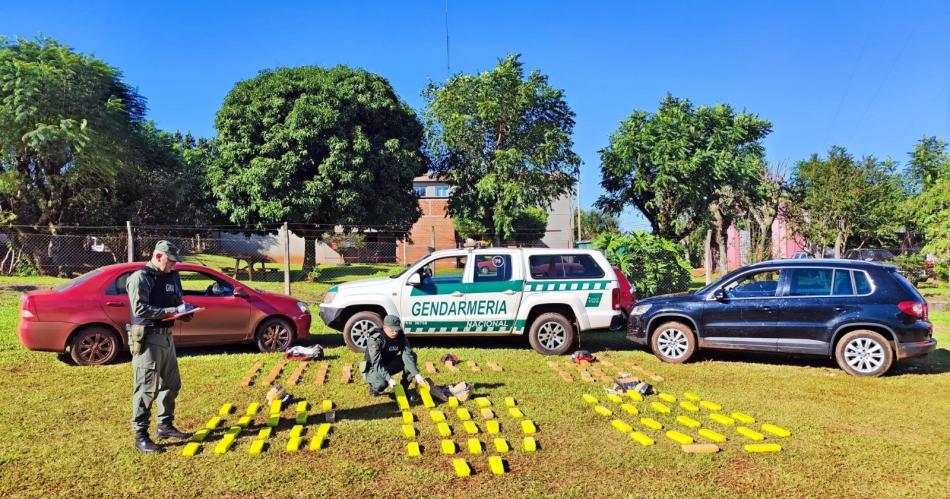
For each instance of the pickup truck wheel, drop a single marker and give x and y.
(551, 334)
(864, 353)
(673, 342)
(93, 346)
(357, 328)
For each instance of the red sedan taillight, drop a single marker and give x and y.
(914, 309)
(27, 307)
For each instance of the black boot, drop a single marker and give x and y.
(169, 431)
(145, 444)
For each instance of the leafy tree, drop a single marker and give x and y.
(929, 160)
(504, 142)
(683, 165)
(528, 226)
(653, 265)
(932, 214)
(594, 222)
(832, 199)
(66, 123)
(317, 146)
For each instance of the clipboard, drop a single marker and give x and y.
(178, 316)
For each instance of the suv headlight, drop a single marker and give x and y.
(328, 298)
(303, 307)
(640, 309)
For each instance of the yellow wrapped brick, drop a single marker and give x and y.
(444, 429)
(302, 406)
(213, 423)
(463, 414)
(530, 444)
(461, 468)
(293, 445)
(634, 395)
(528, 427)
(762, 447)
(776, 430)
(691, 396)
(453, 402)
(407, 417)
(743, 418)
(200, 435)
(483, 401)
(687, 421)
(658, 407)
(408, 431)
(515, 412)
(689, 406)
(413, 450)
(510, 401)
(666, 397)
(448, 447)
(617, 399)
(225, 409)
(316, 443)
(327, 405)
(296, 431)
(264, 434)
(630, 409)
(501, 445)
(470, 427)
(723, 420)
(275, 406)
(712, 406)
(680, 438)
(641, 439)
(750, 433)
(621, 426)
(603, 411)
(257, 447)
(590, 399)
(323, 429)
(190, 449)
(496, 465)
(651, 423)
(474, 446)
(492, 426)
(437, 416)
(253, 408)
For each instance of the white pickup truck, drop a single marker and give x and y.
(552, 293)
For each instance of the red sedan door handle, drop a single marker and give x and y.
(115, 304)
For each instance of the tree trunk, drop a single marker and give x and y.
(722, 237)
(839, 245)
(309, 256)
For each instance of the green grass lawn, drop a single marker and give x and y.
(64, 430)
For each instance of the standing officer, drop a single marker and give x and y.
(155, 295)
(388, 353)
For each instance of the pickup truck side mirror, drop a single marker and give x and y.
(414, 280)
(240, 292)
(720, 295)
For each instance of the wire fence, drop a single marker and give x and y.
(291, 252)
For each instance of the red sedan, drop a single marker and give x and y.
(87, 315)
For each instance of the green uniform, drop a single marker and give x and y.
(153, 294)
(385, 357)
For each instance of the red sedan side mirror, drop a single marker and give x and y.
(240, 292)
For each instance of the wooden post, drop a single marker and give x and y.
(286, 260)
(131, 245)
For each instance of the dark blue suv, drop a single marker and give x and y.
(863, 314)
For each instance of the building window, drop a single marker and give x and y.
(421, 192)
(442, 191)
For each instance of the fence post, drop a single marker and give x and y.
(286, 260)
(128, 230)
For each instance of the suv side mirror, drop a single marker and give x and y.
(240, 292)
(414, 280)
(720, 295)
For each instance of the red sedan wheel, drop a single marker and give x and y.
(93, 347)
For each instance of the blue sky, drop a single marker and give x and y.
(871, 76)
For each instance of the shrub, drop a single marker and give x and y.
(654, 265)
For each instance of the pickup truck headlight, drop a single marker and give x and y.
(328, 298)
(640, 309)
(303, 307)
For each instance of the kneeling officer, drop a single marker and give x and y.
(388, 353)
(155, 295)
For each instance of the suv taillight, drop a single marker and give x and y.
(914, 309)
(615, 299)
(27, 308)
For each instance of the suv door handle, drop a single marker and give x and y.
(115, 304)
(839, 308)
(766, 308)
(509, 292)
(457, 294)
